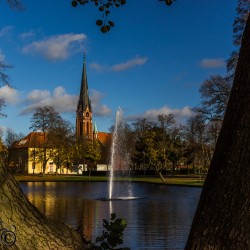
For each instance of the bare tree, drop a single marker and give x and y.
(215, 93)
(242, 11)
(11, 137)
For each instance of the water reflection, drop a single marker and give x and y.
(161, 219)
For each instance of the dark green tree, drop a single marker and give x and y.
(61, 138)
(148, 149)
(157, 144)
(139, 158)
(87, 152)
(92, 153)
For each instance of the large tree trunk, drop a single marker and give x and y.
(222, 219)
(31, 229)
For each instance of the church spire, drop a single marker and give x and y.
(84, 101)
(84, 109)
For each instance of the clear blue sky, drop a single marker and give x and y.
(152, 62)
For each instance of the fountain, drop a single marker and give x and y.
(119, 159)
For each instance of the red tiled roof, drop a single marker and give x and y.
(33, 139)
(104, 137)
(36, 139)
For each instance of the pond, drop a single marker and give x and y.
(160, 218)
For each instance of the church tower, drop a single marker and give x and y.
(84, 126)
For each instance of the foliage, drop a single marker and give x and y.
(112, 236)
(105, 6)
(15, 4)
(86, 151)
(215, 92)
(46, 120)
(200, 139)
(157, 144)
(62, 139)
(164, 145)
(92, 151)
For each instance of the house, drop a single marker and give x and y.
(22, 155)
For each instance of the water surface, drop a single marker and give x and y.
(160, 219)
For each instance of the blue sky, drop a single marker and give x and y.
(152, 62)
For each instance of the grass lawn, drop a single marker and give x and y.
(179, 180)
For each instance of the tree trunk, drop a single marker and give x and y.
(161, 176)
(173, 168)
(222, 219)
(31, 229)
(158, 171)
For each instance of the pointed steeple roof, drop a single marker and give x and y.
(84, 100)
(95, 129)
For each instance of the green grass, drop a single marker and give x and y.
(179, 180)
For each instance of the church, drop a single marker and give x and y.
(84, 122)
(84, 114)
(21, 153)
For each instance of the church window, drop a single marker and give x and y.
(87, 128)
(81, 129)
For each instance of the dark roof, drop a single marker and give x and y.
(84, 100)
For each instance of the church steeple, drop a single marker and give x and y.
(84, 100)
(84, 126)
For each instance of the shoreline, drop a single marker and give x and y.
(192, 181)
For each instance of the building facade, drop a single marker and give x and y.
(24, 155)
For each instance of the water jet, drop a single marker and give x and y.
(119, 162)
